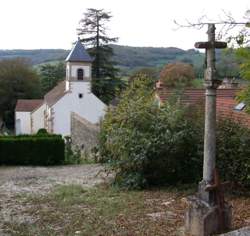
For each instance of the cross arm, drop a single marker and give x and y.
(208, 45)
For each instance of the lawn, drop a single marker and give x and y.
(103, 210)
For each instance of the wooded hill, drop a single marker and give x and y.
(131, 58)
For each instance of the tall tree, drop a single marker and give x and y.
(93, 33)
(17, 81)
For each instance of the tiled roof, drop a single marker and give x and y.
(78, 54)
(193, 96)
(28, 105)
(225, 102)
(55, 94)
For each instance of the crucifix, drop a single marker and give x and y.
(207, 212)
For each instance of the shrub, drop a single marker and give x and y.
(42, 132)
(145, 144)
(233, 152)
(71, 157)
(31, 150)
(148, 145)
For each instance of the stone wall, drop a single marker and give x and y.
(83, 134)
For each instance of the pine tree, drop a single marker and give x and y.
(92, 32)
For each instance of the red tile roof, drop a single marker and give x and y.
(28, 105)
(225, 102)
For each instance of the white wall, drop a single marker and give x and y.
(88, 107)
(37, 117)
(25, 122)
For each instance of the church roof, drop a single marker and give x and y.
(55, 94)
(78, 54)
(28, 105)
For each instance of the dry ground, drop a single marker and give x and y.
(65, 201)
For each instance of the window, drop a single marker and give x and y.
(240, 106)
(80, 74)
(80, 95)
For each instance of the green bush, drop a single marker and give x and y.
(233, 152)
(145, 144)
(148, 145)
(31, 150)
(42, 132)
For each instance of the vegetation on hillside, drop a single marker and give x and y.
(36, 56)
(129, 59)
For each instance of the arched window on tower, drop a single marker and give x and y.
(80, 74)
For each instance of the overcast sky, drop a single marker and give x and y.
(32, 24)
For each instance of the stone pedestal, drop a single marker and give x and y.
(202, 219)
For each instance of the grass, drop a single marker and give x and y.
(103, 210)
(73, 210)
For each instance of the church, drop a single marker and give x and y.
(71, 97)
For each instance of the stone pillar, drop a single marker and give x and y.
(209, 136)
(206, 215)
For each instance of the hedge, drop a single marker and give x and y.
(31, 150)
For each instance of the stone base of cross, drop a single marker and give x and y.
(207, 212)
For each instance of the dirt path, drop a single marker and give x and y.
(40, 180)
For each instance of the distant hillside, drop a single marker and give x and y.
(36, 56)
(128, 58)
(131, 58)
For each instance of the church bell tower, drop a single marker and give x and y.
(78, 66)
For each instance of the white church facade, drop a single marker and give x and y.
(71, 96)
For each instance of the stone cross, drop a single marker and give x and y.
(207, 212)
(211, 84)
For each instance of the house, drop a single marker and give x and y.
(71, 96)
(227, 106)
(29, 116)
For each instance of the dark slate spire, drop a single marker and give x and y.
(78, 54)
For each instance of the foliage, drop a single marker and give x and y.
(227, 64)
(42, 132)
(93, 31)
(107, 88)
(150, 73)
(51, 74)
(244, 56)
(71, 157)
(233, 152)
(31, 150)
(148, 145)
(129, 59)
(177, 74)
(17, 81)
(35, 56)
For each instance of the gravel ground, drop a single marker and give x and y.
(39, 180)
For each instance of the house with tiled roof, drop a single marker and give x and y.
(227, 106)
(71, 96)
(29, 115)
